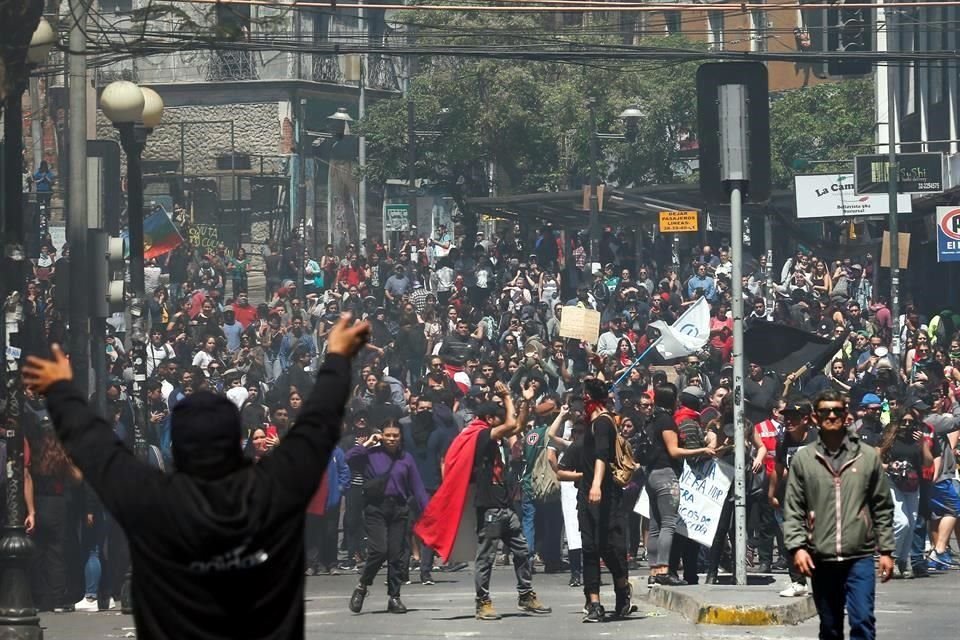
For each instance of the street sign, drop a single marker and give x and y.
(917, 173)
(396, 217)
(831, 195)
(679, 221)
(948, 234)
(710, 77)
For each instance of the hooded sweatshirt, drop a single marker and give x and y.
(217, 547)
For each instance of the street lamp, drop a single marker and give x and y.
(340, 122)
(631, 117)
(18, 617)
(134, 112)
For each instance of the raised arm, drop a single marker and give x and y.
(300, 459)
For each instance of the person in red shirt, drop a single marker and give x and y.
(767, 527)
(244, 312)
(351, 275)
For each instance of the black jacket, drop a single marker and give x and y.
(220, 558)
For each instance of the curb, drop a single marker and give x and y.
(698, 609)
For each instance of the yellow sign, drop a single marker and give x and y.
(679, 221)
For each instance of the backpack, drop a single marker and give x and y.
(544, 486)
(623, 466)
(642, 447)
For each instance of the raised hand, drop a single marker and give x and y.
(347, 337)
(39, 374)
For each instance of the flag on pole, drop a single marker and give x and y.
(687, 335)
(160, 235)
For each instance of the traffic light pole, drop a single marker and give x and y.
(893, 175)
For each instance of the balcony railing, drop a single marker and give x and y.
(327, 69)
(230, 65)
(382, 73)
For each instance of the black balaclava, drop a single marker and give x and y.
(205, 430)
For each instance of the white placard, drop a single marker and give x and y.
(703, 490)
(831, 195)
(571, 524)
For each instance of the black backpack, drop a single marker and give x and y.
(642, 446)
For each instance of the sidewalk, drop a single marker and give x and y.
(756, 604)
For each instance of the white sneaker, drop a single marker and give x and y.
(795, 590)
(86, 604)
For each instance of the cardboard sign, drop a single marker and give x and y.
(904, 250)
(679, 221)
(703, 490)
(583, 324)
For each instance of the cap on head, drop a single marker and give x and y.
(870, 399)
(205, 434)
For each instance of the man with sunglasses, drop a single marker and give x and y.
(837, 513)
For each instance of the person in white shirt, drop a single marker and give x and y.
(157, 350)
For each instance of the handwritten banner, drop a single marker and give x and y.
(583, 324)
(205, 236)
(703, 490)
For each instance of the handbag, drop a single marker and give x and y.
(374, 489)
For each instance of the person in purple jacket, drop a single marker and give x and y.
(392, 479)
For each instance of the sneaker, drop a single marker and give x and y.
(309, 572)
(763, 567)
(670, 580)
(348, 565)
(795, 590)
(64, 608)
(624, 602)
(576, 581)
(485, 610)
(111, 604)
(907, 572)
(356, 600)
(530, 603)
(780, 565)
(426, 580)
(594, 613)
(395, 605)
(457, 566)
(920, 570)
(940, 561)
(87, 604)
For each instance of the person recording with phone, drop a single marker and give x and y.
(391, 478)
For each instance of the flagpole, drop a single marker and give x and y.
(635, 363)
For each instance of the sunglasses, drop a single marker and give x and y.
(830, 412)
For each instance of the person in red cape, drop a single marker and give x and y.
(479, 454)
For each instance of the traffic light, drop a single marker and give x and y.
(106, 273)
(850, 31)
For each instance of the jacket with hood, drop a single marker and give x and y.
(217, 547)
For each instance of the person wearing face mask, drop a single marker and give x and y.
(216, 547)
(427, 440)
(391, 480)
(868, 427)
(904, 454)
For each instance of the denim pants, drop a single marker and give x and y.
(663, 489)
(905, 504)
(849, 583)
(548, 517)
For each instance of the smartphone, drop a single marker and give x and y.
(272, 432)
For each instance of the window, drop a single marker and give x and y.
(672, 22)
(715, 35)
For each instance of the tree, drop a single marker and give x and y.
(822, 122)
(528, 118)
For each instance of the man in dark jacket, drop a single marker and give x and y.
(217, 547)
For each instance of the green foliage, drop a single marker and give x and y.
(530, 117)
(822, 122)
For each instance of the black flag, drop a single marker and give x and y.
(783, 349)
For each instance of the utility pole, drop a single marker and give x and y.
(594, 186)
(412, 159)
(79, 309)
(893, 174)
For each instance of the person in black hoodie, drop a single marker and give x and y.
(217, 548)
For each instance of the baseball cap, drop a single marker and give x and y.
(870, 399)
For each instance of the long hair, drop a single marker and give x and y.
(52, 460)
(890, 433)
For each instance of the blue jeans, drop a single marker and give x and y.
(851, 583)
(551, 523)
(919, 542)
(91, 573)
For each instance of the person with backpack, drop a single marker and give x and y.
(540, 505)
(602, 520)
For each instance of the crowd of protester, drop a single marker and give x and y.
(457, 324)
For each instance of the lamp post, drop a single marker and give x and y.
(18, 617)
(134, 112)
(339, 125)
(631, 116)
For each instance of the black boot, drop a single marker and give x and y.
(356, 600)
(395, 605)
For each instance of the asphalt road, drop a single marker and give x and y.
(918, 608)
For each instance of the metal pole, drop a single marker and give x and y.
(301, 199)
(362, 155)
(412, 159)
(79, 309)
(893, 175)
(594, 185)
(740, 501)
(18, 617)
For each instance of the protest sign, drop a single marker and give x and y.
(582, 324)
(703, 490)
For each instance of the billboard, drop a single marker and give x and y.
(831, 195)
